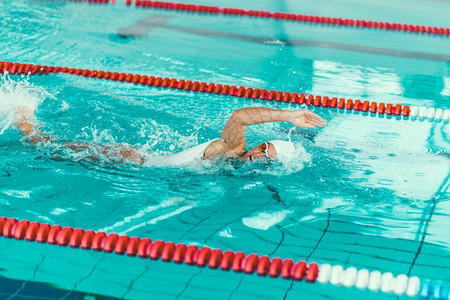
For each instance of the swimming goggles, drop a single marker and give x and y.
(263, 148)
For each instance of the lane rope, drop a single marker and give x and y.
(332, 21)
(168, 251)
(218, 259)
(348, 105)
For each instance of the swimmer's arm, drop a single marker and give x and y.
(122, 153)
(132, 155)
(25, 125)
(233, 133)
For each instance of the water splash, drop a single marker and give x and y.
(15, 93)
(102, 145)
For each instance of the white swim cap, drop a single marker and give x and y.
(285, 149)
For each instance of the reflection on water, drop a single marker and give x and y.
(423, 86)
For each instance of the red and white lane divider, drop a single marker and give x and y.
(222, 260)
(380, 25)
(342, 104)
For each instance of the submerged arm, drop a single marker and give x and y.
(25, 125)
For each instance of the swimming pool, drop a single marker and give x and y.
(372, 194)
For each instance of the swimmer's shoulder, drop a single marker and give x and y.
(219, 147)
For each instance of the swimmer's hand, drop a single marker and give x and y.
(23, 119)
(24, 122)
(305, 118)
(24, 112)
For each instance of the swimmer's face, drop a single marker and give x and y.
(263, 150)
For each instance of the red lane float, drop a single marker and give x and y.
(76, 237)
(203, 87)
(167, 251)
(379, 25)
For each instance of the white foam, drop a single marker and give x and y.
(296, 160)
(15, 93)
(226, 233)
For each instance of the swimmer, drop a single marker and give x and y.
(232, 143)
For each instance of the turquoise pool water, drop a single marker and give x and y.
(372, 193)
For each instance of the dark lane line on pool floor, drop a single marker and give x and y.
(427, 216)
(145, 25)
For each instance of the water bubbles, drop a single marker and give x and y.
(64, 106)
(385, 182)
